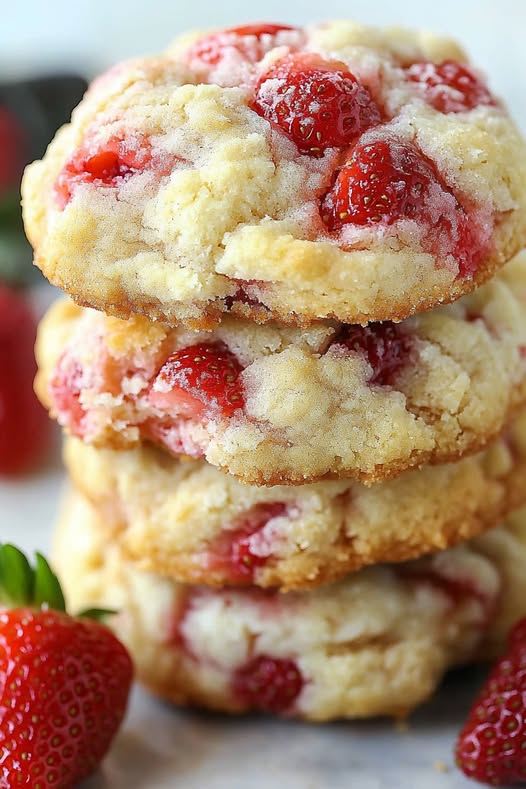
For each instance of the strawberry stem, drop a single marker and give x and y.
(47, 590)
(24, 585)
(98, 614)
(16, 577)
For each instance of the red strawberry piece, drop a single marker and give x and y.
(25, 429)
(251, 41)
(66, 388)
(233, 554)
(383, 181)
(491, 747)
(268, 684)
(458, 590)
(450, 86)
(317, 103)
(12, 150)
(64, 682)
(200, 379)
(109, 164)
(386, 347)
(388, 180)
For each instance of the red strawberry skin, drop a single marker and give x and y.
(64, 685)
(492, 745)
(318, 104)
(200, 379)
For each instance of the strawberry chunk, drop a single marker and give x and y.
(202, 379)
(386, 347)
(383, 181)
(317, 103)
(450, 86)
(66, 388)
(250, 41)
(109, 164)
(233, 553)
(268, 684)
(25, 429)
(389, 180)
(491, 747)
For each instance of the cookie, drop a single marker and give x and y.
(186, 520)
(272, 404)
(376, 643)
(336, 171)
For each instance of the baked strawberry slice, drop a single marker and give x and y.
(386, 347)
(268, 684)
(66, 389)
(110, 164)
(317, 103)
(450, 86)
(492, 745)
(199, 380)
(64, 681)
(387, 180)
(250, 41)
(383, 181)
(233, 552)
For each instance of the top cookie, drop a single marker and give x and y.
(282, 173)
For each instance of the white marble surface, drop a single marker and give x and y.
(159, 748)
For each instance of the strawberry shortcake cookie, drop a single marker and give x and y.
(186, 520)
(289, 405)
(376, 643)
(335, 171)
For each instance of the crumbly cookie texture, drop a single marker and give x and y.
(376, 643)
(187, 521)
(335, 171)
(278, 405)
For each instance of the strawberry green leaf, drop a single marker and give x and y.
(47, 589)
(98, 614)
(16, 577)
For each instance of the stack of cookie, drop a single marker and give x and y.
(300, 388)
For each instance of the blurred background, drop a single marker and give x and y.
(48, 50)
(88, 35)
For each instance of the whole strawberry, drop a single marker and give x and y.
(64, 681)
(492, 745)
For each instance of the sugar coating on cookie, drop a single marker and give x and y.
(186, 520)
(334, 171)
(376, 643)
(273, 404)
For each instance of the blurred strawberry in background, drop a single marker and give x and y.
(12, 150)
(30, 113)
